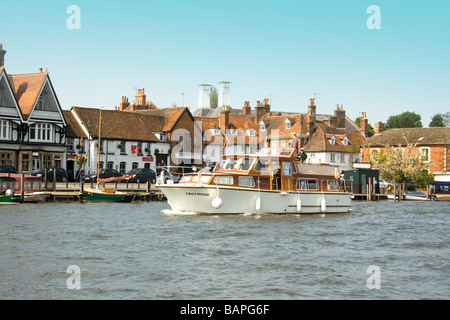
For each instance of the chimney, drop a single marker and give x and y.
(224, 94)
(311, 117)
(363, 124)
(124, 104)
(140, 98)
(339, 113)
(2, 55)
(379, 127)
(246, 109)
(259, 111)
(266, 105)
(224, 118)
(203, 96)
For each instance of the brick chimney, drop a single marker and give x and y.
(2, 55)
(224, 118)
(246, 109)
(266, 105)
(259, 111)
(339, 113)
(311, 117)
(379, 127)
(363, 124)
(124, 104)
(140, 98)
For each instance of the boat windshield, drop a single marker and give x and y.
(245, 164)
(227, 164)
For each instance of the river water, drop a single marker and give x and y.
(381, 250)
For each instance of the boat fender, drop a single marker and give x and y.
(323, 205)
(216, 202)
(299, 204)
(8, 192)
(258, 204)
(161, 177)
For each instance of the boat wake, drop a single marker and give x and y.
(179, 213)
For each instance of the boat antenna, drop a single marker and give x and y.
(98, 154)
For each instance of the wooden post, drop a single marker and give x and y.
(54, 179)
(395, 192)
(22, 188)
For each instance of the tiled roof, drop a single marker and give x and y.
(118, 125)
(170, 116)
(73, 130)
(279, 123)
(26, 88)
(319, 142)
(404, 136)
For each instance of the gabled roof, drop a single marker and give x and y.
(73, 129)
(298, 124)
(319, 142)
(3, 74)
(26, 88)
(404, 136)
(170, 116)
(117, 125)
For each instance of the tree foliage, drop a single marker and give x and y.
(406, 119)
(402, 164)
(438, 120)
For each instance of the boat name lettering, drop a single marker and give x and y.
(206, 194)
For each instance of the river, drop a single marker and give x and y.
(381, 250)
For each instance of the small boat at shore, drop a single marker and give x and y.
(271, 181)
(31, 189)
(107, 195)
(441, 190)
(7, 195)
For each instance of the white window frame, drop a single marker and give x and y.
(43, 132)
(5, 130)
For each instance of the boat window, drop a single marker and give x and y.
(224, 180)
(185, 179)
(203, 179)
(285, 152)
(307, 184)
(262, 165)
(222, 164)
(245, 164)
(333, 185)
(287, 169)
(230, 164)
(246, 181)
(294, 167)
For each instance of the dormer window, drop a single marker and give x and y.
(41, 105)
(233, 132)
(262, 126)
(215, 132)
(251, 132)
(345, 141)
(333, 140)
(287, 124)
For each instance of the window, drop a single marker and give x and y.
(233, 132)
(262, 165)
(294, 167)
(25, 162)
(47, 161)
(333, 185)
(333, 140)
(245, 164)
(163, 137)
(332, 157)
(307, 184)
(179, 138)
(287, 124)
(345, 141)
(100, 165)
(41, 105)
(342, 157)
(262, 126)
(110, 165)
(122, 167)
(42, 132)
(215, 132)
(4, 129)
(6, 158)
(123, 147)
(251, 132)
(425, 152)
(224, 180)
(230, 165)
(246, 181)
(139, 145)
(287, 169)
(101, 146)
(134, 165)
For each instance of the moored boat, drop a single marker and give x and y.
(271, 181)
(107, 195)
(7, 196)
(441, 190)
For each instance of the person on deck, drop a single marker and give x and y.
(302, 155)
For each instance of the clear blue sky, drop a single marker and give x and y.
(283, 50)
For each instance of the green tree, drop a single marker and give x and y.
(407, 119)
(437, 121)
(358, 123)
(402, 165)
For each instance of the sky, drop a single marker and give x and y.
(286, 50)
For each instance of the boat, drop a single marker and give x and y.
(7, 196)
(269, 182)
(441, 190)
(31, 189)
(105, 194)
(410, 195)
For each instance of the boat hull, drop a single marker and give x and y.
(107, 196)
(231, 200)
(9, 199)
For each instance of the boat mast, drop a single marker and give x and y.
(98, 147)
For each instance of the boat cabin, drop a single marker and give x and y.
(269, 169)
